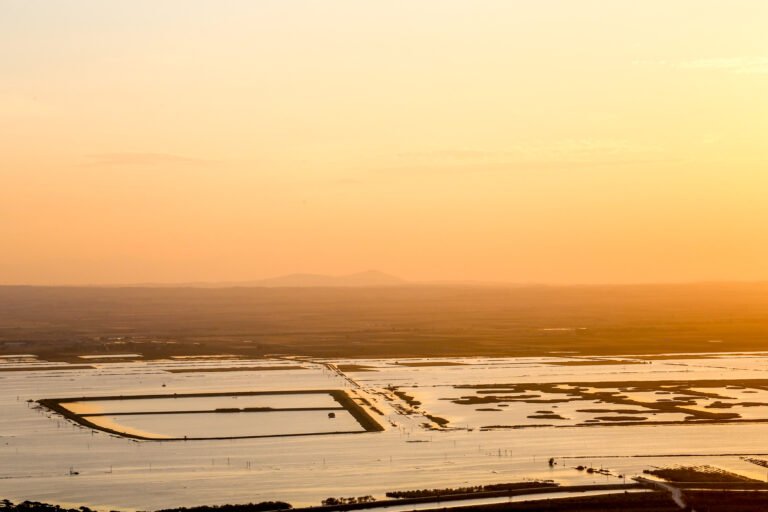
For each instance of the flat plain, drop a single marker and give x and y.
(409, 321)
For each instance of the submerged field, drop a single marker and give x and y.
(237, 415)
(450, 422)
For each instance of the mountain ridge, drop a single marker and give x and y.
(368, 278)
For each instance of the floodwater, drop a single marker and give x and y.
(202, 403)
(38, 448)
(217, 425)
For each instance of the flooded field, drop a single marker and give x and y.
(218, 425)
(202, 403)
(447, 422)
(195, 416)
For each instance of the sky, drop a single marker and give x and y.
(541, 141)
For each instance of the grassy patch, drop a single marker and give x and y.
(236, 369)
(703, 473)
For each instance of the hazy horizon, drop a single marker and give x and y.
(258, 282)
(551, 142)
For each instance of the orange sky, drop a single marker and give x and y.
(522, 141)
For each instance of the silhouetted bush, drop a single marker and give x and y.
(347, 501)
(428, 493)
(36, 506)
(264, 506)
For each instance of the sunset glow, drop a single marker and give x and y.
(525, 142)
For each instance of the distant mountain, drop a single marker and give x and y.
(360, 279)
(371, 278)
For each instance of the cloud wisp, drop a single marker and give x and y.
(566, 153)
(738, 65)
(139, 159)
